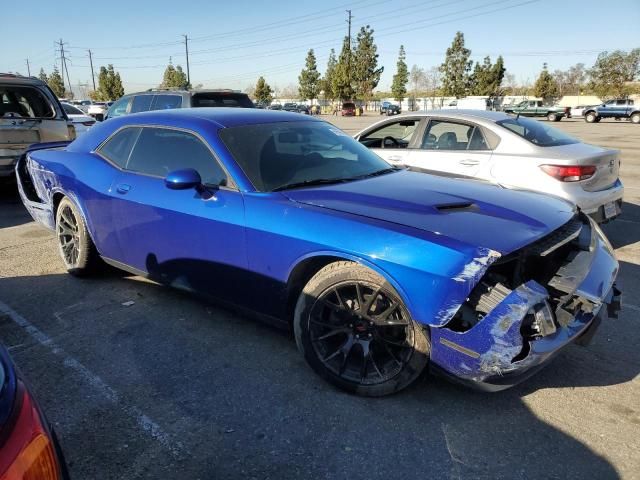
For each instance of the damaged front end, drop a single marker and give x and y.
(528, 305)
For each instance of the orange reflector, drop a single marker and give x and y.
(36, 462)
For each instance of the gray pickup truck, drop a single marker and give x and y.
(618, 108)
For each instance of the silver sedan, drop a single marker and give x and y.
(515, 152)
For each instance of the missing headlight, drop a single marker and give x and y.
(539, 321)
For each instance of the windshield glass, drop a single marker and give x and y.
(274, 155)
(71, 110)
(537, 132)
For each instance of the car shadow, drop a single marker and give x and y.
(624, 230)
(12, 212)
(238, 397)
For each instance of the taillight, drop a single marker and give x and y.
(28, 452)
(571, 173)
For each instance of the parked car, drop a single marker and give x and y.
(163, 99)
(30, 449)
(618, 109)
(98, 110)
(517, 153)
(275, 106)
(536, 108)
(290, 107)
(388, 108)
(81, 121)
(381, 271)
(302, 108)
(29, 113)
(348, 109)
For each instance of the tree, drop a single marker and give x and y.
(326, 84)
(43, 76)
(364, 67)
(433, 84)
(56, 83)
(109, 85)
(174, 78)
(456, 67)
(613, 71)
(309, 78)
(400, 79)
(417, 80)
(487, 78)
(341, 81)
(263, 92)
(290, 92)
(545, 86)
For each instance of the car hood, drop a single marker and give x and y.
(473, 212)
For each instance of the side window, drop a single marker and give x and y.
(141, 103)
(119, 108)
(621, 102)
(118, 147)
(166, 102)
(396, 134)
(160, 151)
(445, 135)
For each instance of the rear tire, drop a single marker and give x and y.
(355, 332)
(635, 118)
(76, 248)
(591, 117)
(552, 117)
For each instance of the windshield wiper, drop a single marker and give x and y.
(311, 183)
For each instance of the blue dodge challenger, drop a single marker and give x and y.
(381, 272)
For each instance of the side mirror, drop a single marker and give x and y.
(183, 179)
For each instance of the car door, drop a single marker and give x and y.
(453, 147)
(393, 139)
(192, 238)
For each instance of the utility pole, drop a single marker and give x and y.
(349, 56)
(28, 68)
(186, 51)
(93, 77)
(63, 61)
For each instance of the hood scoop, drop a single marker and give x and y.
(457, 207)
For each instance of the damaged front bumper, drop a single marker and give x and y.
(502, 348)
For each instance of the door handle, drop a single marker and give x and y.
(123, 188)
(469, 162)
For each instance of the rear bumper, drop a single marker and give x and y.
(494, 354)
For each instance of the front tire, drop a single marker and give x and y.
(552, 117)
(355, 332)
(635, 118)
(74, 242)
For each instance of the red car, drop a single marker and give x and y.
(348, 109)
(28, 448)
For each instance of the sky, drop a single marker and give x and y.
(232, 43)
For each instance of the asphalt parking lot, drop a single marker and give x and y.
(170, 386)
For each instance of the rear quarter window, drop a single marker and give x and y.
(118, 148)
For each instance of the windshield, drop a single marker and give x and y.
(275, 155)
(537, 132)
